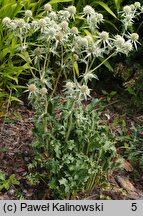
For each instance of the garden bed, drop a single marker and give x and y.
(16, 153)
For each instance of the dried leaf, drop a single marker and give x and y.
(127, 166)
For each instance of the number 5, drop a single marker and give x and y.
(134, 207)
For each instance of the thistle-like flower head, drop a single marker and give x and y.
(127, 9)
(70, 86)
(64, 15)
(88, 10)
(28, 13)
(137, 5)
(6, 21)
(47, 7)
(32, 88)
(128, 47)
(119, 41)
(53, 15)
(74, 30)
(134, 37)
(104, 35)
(82, 42)
(72, 10)
(89, 39)
(42, 23)
(64, 25)
(59, 36)
(43, 91)
(85, 91)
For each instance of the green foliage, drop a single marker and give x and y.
(72, 148)
(109, 96)
(74, 151)
(59, 1)
(106, 7)
(130, 141)
(118, 4)
(10, 8)
(131, 76)
(65, 46)
(109, 6)
(7, 183)
(134, 151)
(12, 69)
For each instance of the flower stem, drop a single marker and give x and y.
(70, 122)
(59, 75)
(103, 62)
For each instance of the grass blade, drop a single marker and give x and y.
(105, 6)
(59, 1)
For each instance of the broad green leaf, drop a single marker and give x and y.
(131, 91)
(6, 185)
(8, 10)
(52, 183)
(57, 151)
(13, 181)
(63, 181)
(106, 7)
(17, 7)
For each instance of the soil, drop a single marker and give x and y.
(16, 154)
